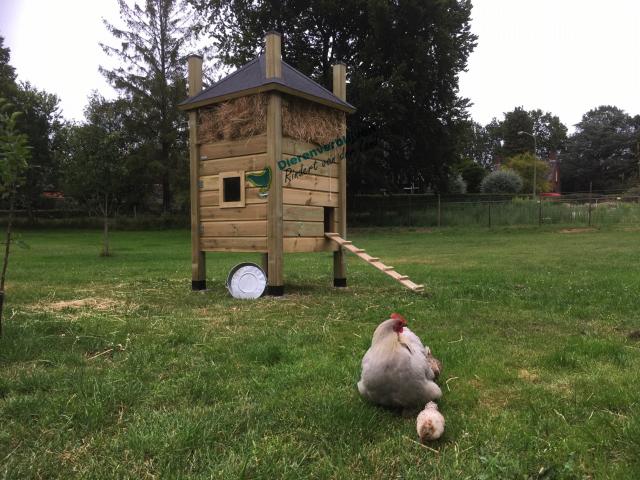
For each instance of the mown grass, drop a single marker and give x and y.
(113, 368)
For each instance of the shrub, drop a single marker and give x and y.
(501, 181)
(457, 184)
(523, 165)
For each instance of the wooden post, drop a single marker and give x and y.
(275, 280)
(439, 211)
(540, 210)
(198, 266)
(590, 196)
(339, 264)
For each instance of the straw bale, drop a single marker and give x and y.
(310, 122)
(245, 117)
(232, 120)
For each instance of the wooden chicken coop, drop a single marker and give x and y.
(267, 164)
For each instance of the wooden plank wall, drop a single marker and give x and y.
(304, 198)
(306, 195)
(238, 229)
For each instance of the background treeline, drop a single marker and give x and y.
(412, 128)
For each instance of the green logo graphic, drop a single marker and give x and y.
(262, 180)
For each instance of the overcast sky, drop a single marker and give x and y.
(562, 56)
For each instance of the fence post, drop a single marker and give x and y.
(489, 204)
(439, 211)
(590, 192)
(540, 210)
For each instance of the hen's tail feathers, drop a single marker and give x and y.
(433, 391)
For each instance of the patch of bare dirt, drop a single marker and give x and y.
(528, 376)
(75, 309)
(93, 303)
(578, 230)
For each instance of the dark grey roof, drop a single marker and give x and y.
(253, 76)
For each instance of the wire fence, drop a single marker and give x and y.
(402, 210)
(582, 209)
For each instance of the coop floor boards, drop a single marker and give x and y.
(375, 262)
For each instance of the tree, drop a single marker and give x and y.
(152, 78)
(95, 169)
(472, 174)
(602, 151)
(502, 181)
(41, 122)
(550, 132)
(407, 55)
(480, 144)
(8, 85)
(14, 155)
(523, 165)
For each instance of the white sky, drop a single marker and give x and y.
(562, 56)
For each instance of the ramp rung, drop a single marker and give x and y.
(375, 261)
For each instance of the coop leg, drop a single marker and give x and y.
(339, 266)
(198, 272)
(275, 290)
(275, 286)
(339, 269)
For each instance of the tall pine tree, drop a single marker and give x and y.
(151, 76)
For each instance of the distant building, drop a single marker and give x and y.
(553, 176)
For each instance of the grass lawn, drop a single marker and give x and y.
(113, 368)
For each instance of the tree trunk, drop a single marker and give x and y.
(31, 217)
(166, 194)
(5, 262)
(105, 237)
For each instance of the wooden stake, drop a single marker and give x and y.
(590, 193)
(198, 266)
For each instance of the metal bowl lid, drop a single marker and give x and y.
(246, 280)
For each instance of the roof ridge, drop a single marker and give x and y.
(309, 78)
(231, 75)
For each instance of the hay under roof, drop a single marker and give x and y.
(251, 79)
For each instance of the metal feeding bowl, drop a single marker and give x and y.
(246, 280)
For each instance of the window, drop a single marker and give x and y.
(232, 189)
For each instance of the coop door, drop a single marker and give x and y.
(232, 189)
(329, 219)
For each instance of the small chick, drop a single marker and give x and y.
(430, 423)
(434, 363)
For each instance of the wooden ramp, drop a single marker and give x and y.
(375, 262)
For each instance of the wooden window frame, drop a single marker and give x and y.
(221, 177)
